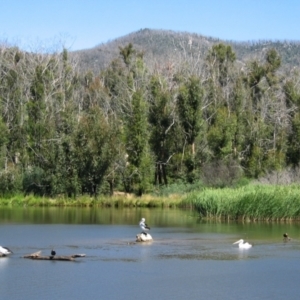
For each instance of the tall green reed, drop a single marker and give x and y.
(249, 202)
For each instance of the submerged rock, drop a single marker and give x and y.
(142, 237)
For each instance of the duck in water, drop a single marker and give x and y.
(286, 237)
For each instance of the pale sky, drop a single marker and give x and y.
(83, 24)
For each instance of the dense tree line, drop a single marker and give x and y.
(133, 128)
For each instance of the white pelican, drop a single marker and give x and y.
(243, 245)
(144, 226)
(5, 251)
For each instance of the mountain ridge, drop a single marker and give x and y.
(161, 46)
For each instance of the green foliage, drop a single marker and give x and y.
(247, 203)
(222, 133)
(137, 130)
(127, 52)
(221, 56)
(293, 153)
(221, 173)
(137, 126)
(10, 182)
(137, 146)
(4, 134)
(189, 104)
(292, 96)
(178, 188)
(161, 119)
(95, 149)
(35, 182)
(189, 108)
(273, 61)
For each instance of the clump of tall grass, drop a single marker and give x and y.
(177, 189)
(249, 202)
(88, 201)
(144, 201)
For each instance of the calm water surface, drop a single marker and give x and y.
(188, 258)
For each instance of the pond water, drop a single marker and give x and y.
(187, 259)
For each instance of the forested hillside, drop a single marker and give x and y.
(160, 46)
(143, 120)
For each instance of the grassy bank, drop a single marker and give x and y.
(252, 202)
(86, 201)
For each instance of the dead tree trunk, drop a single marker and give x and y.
(37, 256)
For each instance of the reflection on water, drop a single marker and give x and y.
(185, 220)
(67, 215)
(188, 258)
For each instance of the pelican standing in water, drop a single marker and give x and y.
(243, 245)
(144, 226)
(5, 251)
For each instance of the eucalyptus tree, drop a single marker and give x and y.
(292, 97)
(220, 71)
(241, 112)
(127, 53)
(13, 87)
(51, 110)
(189, 102)
(95, 148)
(254, 82)
(162, 119)
(103, 91)
(278, 116)
(139, 170)
(9, 175)
(36, 128)
(222, 102)
(40, 128)
(221, 59)
(65, 110)
(123, 77)
(189, 105)
(267, 119)
(126, 82)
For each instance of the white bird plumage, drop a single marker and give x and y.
(5, 251)
(144, 226)
(243, 245)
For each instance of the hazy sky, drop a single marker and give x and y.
(81, 24)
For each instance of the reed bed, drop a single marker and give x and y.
(87, 201)
(251, 202)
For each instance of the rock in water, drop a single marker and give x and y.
(141, 237)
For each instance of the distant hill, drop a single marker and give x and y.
(161, 46)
